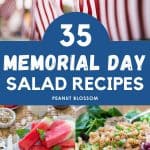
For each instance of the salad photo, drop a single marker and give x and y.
(112, 129)
(47, 134)
(37, 128)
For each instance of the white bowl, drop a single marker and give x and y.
(80, 110)
(12, 120)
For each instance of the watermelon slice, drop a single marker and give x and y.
(67, 149)
(68, 143)
(39, 147)
(56, 123)
(33, 136)
(34, 124)
(58, 134)
(61, 148)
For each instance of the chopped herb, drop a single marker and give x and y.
(138, 128)
(116, 134)
(22, 132)
(56, 148)
(41, 133)
(121, 143)
(119, 127)
(95, 146)
(128, 130)
(107, 143)
(114, 144)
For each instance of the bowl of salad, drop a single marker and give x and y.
(110, 129)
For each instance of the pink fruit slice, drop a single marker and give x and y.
(56, 124)
(39, 147)
(33, 136)
(34, 124)
(67, 149)
(58, 134)
(68, 143)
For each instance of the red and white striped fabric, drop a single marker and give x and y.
(44, 12)
(7, 8)
(123, 19)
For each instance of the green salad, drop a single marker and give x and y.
(94, 118)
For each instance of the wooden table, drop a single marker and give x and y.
(24, 117)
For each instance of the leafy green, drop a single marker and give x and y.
(41, 133)
(56, 148)
(120, 143)
(95, 124)
(112, 112)
(96, 111)
(132, 114)
(82, 121)
(22, 132)
(119, 127)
